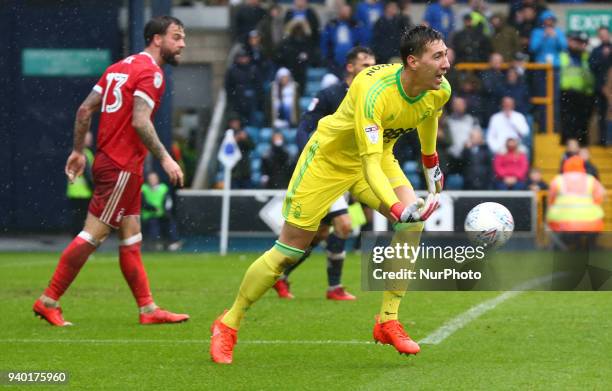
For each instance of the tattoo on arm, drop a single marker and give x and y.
(82, 123)
(145, 129)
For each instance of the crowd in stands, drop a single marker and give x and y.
(486, 132)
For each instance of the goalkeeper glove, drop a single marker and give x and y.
(420, 210)
(433, 175)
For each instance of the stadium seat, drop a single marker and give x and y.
(265, 134)
(315, 74)
(262, 149)
(256, 179)
(255, 164)
(293, 150)
(410, 167)
(289, 135)
(312, 88)
(253, 133)
(453, 182)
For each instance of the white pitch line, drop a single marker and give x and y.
(180, 341)
(458, 322)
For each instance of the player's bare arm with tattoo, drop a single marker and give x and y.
(75, 165)
(141, 121)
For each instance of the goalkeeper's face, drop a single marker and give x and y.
(432, 65)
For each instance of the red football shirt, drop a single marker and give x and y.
(136, 75)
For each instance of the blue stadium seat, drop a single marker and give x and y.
(410, 167)
(289, 135)
(315, 74)
(293, 150)
(255, 164)
(265, 134)
(261, 149)
(256, 179)
(253, 133)
(453, 182)
(415, 181)
(312, 88)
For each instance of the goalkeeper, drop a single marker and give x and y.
(352, 150)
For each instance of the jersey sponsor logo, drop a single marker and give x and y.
(391, 134)
(157, 80)
(372, 70)
(372, 132)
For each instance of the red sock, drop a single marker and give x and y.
(72, 260)
(134, 273)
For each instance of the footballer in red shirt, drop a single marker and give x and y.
(126, 96)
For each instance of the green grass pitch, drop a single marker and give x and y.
(534, 341)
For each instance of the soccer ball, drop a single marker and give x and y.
(489, 224)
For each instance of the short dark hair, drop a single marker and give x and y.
(159, 25)
(352, 55)
(415, 40)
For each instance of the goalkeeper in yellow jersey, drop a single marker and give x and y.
(352, 150)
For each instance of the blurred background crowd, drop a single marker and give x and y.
(283, 55)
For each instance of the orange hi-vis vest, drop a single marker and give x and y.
(575, 203)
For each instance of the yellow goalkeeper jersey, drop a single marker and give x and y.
(375, 113)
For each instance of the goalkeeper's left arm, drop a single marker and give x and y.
(428, 132)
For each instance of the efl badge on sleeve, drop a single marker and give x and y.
(372, 133)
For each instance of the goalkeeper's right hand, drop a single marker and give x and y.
(420, 210)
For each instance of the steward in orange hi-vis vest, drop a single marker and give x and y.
(574, 200)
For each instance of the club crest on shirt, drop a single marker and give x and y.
(157, 79)
(372, 132)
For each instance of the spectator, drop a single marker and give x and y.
(368, 12)
(241, 174)
(302, 12)
(585, 155)
(339, 36)
(504, 125)
(516, 87)
(246, 18)
(493, 80)
(277, 165)
(259, 59)
(284, 100)
(387, 32)
(471, 44)
(574, 205)
(476, 159)
(572, 147)
(441, 17)
(460, 125)
(547, 42)
(546, 45)
(510, 167)
(157, 218)
(600, 62)
(576, 89)
(535, 182)
(469, 90)
(504, 38)
(526, 22)
(243, 85)
(607, 90)
(271, 29)
(296, 52)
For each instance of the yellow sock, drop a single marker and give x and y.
(404, 233)
(260, 277)
(390, 305)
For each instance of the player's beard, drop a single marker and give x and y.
(169, 57)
